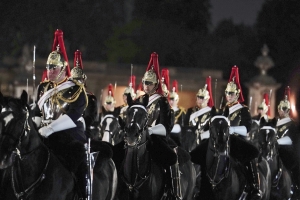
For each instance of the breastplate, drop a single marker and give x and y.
(153, 113)
(52, 110)
(235, 118)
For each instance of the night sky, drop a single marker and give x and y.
(240, 11)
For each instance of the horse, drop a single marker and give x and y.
(226, 175)
(110, 129)
(28, 168)
(140, 176)
(280, 176)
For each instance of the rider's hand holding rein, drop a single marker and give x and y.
(62, 123)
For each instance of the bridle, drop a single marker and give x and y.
(25, 130)
(212, 179)
(140, 131)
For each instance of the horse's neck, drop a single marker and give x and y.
(31, 161)
(275, 165)
(136, 162)
(216, 166)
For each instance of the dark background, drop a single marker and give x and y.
(180, 31)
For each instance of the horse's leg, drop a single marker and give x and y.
(104, 179)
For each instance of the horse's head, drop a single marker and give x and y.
(219, 132)
(13, 126)
(136, 121)
(267, 141)
(109, 128)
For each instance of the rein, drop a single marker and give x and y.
(212, 180)
(136, 146)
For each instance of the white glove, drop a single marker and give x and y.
(205, 135)
(176, 128)
(286, 140)
(37, 120)
(159, 129)
(46, 131)
(241, 130)
(62, 123)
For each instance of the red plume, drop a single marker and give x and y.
(165, 75)
(58, 40)
(267, 102)
(44, 76)
(175, 86)
(211, 100)
(132, 81)
(235, 75)
(78, 59)
(287, 93)
(110, 90)
(154, 62)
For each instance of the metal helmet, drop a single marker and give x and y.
(265, 104)
(109, 99)
(234, 83)
(77, 71)
(173, 94)
(165, 81)
(131, 87)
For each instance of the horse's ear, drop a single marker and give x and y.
(129, 100)
(1, 99)
(145, 100)
(213, 112)
(262, 122)
(24, 97)
(226, 112)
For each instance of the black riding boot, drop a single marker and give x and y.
(175, 175)
(81, 181)
(254, 182)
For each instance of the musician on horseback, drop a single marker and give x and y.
(288, 140)
(159, 112)
(61, 103)
(240, 125)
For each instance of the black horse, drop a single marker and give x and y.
(280, 176)
(226, 175)
(110, 129)
(140, 177)
(28, 168)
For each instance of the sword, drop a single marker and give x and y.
(221, 103)
(250, 103)
(216, 83)
(33, 75)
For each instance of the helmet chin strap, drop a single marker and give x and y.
(60, 73)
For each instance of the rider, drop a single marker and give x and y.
(263, 109)
(240, 125)
(199, 115)
(288, 139)
(128, 91)
(159, 112)
(179, 112)
(61, 102)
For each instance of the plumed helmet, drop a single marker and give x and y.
(152, 73)
(234, 83)
(131, 87)
(165, 81)
(285, 103)
(58, 56)
(109, 99)
(77, 71)
(174, 93)
(206, 92)
(265, 104)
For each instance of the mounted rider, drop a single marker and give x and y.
(130, 90)
(289, 143)
(61, 103)
(179, 113)
(199, 115)
(240, 125)
(159, 112)
(263, 109)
